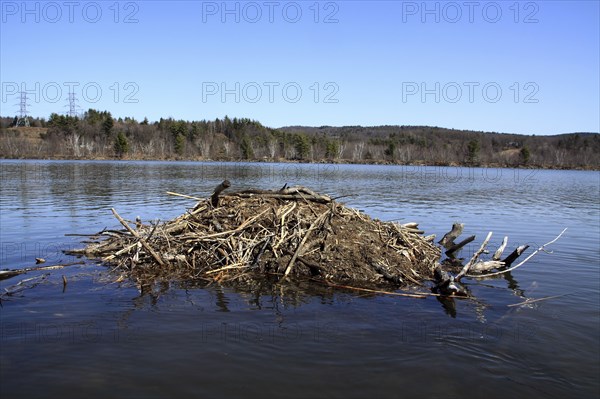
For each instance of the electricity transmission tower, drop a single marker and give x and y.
(72, 105)
(23, 119)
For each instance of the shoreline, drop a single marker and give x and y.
(316, 162)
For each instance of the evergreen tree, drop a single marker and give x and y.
(179, 144)
(246, 148)
(391, 150)
(473, 151)
(525, 155)
(302, 145)
(121, 145)
(108, 124)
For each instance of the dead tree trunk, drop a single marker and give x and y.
(448, 240)
(456, 247)
(514, 255)
(214, 198)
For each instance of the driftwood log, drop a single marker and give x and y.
(457, 247)
(448, 284)
(448, 240)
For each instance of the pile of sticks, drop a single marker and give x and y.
(284, 233)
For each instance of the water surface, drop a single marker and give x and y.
(101, 338)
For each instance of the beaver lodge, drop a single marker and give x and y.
(289, 233)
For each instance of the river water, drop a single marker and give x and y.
(95, 337)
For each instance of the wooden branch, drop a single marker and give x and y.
(542, 248)
(482, 266)
(411, 225)
(446, 284)
(261, 251)
(312, 265)
(500, 250)
(474, 258)
(120, 252)
(234, 266)
(454, 248)
(237, 229)
(184, 196)
(20, 286)
(514, 255)
(303, 190)
(531, 300)
(84, 235)
(290, 193)
(448, 240)
(308, 233)
(136, 235)
(387, 276)
(417, 295)
(214, 198)
(5, 274)
(299, 196)
(412, 228)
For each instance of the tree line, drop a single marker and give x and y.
(99, 135)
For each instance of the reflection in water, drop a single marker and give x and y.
(513, 284)
(261, 294)
(448, 305)
(449, 302)
(221, 299)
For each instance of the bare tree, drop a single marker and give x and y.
(227, 147)
(341, 149)
(272, 145)
(357, 153)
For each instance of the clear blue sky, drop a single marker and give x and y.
(519, 67)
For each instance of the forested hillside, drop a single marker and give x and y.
(98, 135)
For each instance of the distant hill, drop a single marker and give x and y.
(97, 135)
(435, 145)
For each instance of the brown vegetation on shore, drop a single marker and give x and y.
(97, 135)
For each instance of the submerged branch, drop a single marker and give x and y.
(6, 274)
